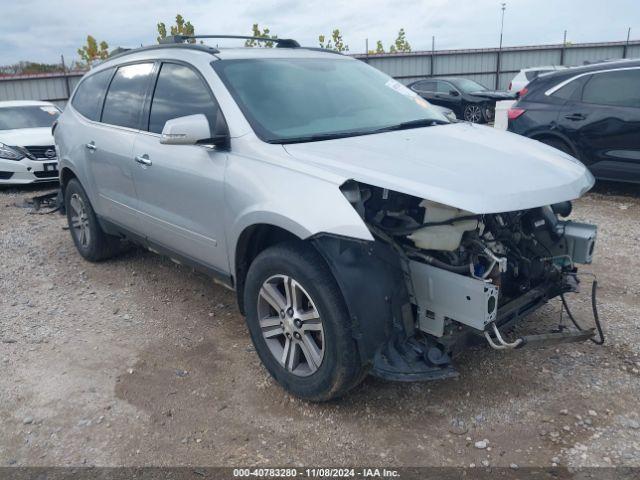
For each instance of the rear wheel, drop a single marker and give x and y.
(473, 113)
(299, 324)
(90, 240)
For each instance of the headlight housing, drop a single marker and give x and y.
(10, 153)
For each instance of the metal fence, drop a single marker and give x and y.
(492, 67)
(52, 87)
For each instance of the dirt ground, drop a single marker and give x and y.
(138, 361)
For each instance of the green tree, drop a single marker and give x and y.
(335, 43)
(255, 32)
(379, 49)
(92, 51)
(401, 44)
(180, 28)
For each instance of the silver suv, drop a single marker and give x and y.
(362, 231)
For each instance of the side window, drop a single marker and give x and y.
(179, 92)
(620, 88)
(445, 87)
(90, 93)
(125, 97)
(425, 86)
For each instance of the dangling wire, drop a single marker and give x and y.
(594, 308)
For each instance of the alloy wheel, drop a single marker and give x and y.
(291, 325)
(473, 113)
(80, 220)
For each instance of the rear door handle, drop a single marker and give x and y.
(91, 146)
(575, 116)
(143, 160)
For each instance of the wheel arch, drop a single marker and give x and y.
(253, 240)
(66, 175)
(556, 136)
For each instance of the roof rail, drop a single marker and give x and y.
(120, 52)
(280, 42)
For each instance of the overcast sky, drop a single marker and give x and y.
(41, 30)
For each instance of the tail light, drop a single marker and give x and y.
(523, 92)
(514, 113)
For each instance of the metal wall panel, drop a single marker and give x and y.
(516, 60)
(578, 56)
(41, 87)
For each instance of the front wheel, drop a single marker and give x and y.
(299, 324)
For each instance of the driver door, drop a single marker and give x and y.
(180, 187)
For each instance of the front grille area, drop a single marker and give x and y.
(52, 174)
(39, 151)
(6, 175)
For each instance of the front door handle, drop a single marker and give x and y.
(143, 160)
(91, 146)
(575, 116)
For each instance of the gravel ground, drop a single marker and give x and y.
(138, 361)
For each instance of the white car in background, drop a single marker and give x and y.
(524, 76)
(27, 152)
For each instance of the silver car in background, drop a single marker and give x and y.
(362, 231)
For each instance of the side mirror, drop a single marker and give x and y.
(193, 130)
(454, 93)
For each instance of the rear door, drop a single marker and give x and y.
(425, 88)
(605, 123)
(449, 96)
(180, 187)
(110, 146)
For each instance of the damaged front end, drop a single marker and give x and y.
(438, 279)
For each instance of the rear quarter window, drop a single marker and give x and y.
(572, 90)
(90, 94)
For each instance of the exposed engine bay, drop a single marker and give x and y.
(467, 271)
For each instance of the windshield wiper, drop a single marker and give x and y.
(321, 136)
(421, 122)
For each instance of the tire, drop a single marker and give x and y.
(473, 112)
(488, 113)
(335, 365)
(92, 243)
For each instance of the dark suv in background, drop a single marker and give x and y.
(590, 112)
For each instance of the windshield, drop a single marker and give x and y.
(468, 86)
(300, 99)
(33, 116)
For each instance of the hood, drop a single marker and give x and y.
(478, 169)
(27, 136)
(494, 94)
